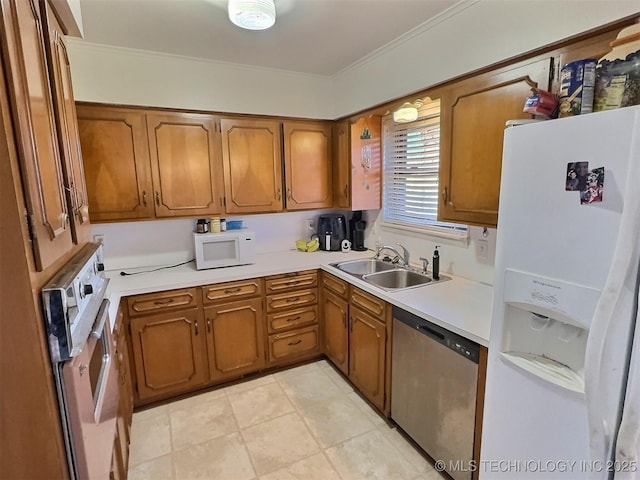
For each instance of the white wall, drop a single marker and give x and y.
(167, 242)
(471, 35)
(134, 77)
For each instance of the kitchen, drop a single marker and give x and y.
(97, 77)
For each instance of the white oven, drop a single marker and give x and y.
(82, 359)
(214, 250)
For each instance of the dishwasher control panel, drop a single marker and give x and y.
(462, 346)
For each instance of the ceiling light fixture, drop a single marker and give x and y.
(252, 14)
(406, 113)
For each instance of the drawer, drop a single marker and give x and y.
(303, 341)
(292, 318)
(287, 281)
(232, 290)
(298, 298)
(336, 285)
(368, 303)
(162, 301)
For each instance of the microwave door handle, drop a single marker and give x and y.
(103, 314)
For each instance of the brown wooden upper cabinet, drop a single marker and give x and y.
(140, 164)
(115, 154)
(473, 116)
(28, 73)
(358, 167)
(185, 164)
(67, 123)
(307, 157)
(257, 154)
(252, 159)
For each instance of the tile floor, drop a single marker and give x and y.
(305, 423)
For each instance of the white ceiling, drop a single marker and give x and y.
(310, 36)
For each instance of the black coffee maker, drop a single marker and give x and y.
(356, 230)
(332, 230)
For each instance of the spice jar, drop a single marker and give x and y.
(223, 225)
(215, 224)
(202, 226)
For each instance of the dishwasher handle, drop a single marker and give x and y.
(430, 332)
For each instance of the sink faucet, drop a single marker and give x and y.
(398, 256)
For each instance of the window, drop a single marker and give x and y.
(411, 155)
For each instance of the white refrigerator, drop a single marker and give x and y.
(563, 377)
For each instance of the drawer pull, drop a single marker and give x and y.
(293, 319)
(293, 282)
(209, 325)
(196, 324)
(232, 290)
(291, 344)
(168, 301)
(294, 299)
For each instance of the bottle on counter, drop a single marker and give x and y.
(223, 225)
(202, 226)
(436, 263)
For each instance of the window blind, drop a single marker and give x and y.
(411, 156)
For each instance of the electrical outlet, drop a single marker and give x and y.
(483, 249)
(309, 224)
(99, 237)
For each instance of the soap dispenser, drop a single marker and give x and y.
(436, 264)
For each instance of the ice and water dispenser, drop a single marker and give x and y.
(545, 327)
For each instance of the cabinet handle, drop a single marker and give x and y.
(209, 325)
(278, 194)
(157, 198)
(291, 344)
(293, 282)
(232, 290)
(221, 202)
(293, 319)
(344, 320)
(444, 195)
(196, 324)
(288, 194)
(346, 191)
(163, 302)
(294, 299)
(351, 324)
(144, 198)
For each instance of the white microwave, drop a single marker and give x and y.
(214, 250)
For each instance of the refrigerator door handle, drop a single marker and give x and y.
(628, 441)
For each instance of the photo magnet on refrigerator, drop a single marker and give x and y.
(595, 187)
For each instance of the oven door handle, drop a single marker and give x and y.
(103, 314)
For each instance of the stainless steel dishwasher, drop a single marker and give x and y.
(433, 390)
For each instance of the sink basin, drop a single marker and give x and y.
(397, 279)
(365, 266)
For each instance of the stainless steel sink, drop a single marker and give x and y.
(365, 266)
(386, 275)
(397, 279)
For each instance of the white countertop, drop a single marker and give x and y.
(459, 305)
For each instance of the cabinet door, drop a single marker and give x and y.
(334, 330)
(252, 159)
(28, 81)
(473, 116)
(115, 154)
(67, 124)
(169, 353)
(235, 338)
(185, 164)
(367, 339)
(366, 163)
(307, 158)
(342, 165)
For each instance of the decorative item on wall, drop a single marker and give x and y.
(365, 162)
(408, 112)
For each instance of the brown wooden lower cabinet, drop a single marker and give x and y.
(235, 338)
(169, 353)
(355, 337)
(296, 343)
(122, 440)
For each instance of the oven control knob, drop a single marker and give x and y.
(87, 289)
(100, 267)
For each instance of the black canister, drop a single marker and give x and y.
(202, 226)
